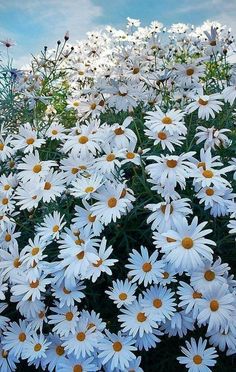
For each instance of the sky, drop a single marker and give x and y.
(32, 24)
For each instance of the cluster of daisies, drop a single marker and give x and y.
(153, 110)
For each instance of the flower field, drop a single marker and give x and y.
(117, 202)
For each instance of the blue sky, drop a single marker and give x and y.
(35, 23)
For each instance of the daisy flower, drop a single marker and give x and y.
(75, 364)
(84, 187)
(187, 246)
(26, 139)
(165, 214)
(82, 143)
(117, 350)
(15, 337)
(56, 131)
(5, 149)
(51, 226)
(84, 219)
(223, 339)
(75, 165)
(211, 273)
(108, 162)
(135, 320)
(197, 357)
(35, 347)
(189, 298)
(55, 354)
(65, 319)
(52, 186)
(121, 136)
(212, 137)
(172, 121)
(68, 296)
(83, 341)
(229, 93)
(144, 268)
(170, 170)
(179, 324)
(216, 307)
(164, 138)
(207, 106)
(29, 289)
(122, 292)
(102, 265)
(28, 195)
(111, 203)
(158, 303)
(33, 169)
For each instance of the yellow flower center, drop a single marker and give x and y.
(66, 291)
(35, 251)
(136, 70)
(189, 71)
(34, 284)
(54, 132)
(165, 275)
(89, 189)
(16, 263)
(157, 303)
(141, 317)
(8, 237)
(214, 305)
(197, 359)
(77, 368)
(83, 140)
(37, 168)
(22, 337)
(112, 202)
(210, 192)
(171, 163)
(91, 218)
(197, 295)
(130, 155)
(55, 228)
(60, 350)
(202, 102)
(74, 170)
(167, 120)
(161, 135)
(117, 346)
(110, 157)
(123, 296)
(93, 106)
(69, 316)
(5, 201)
(37, 347)
(147, 266)
(81, 336)
(1, 146)
(80, 255)
(119, 131)
(187, 243)
(47, 186)
(98, 263)
(30, 141)
(209, 275)
(207, 173)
